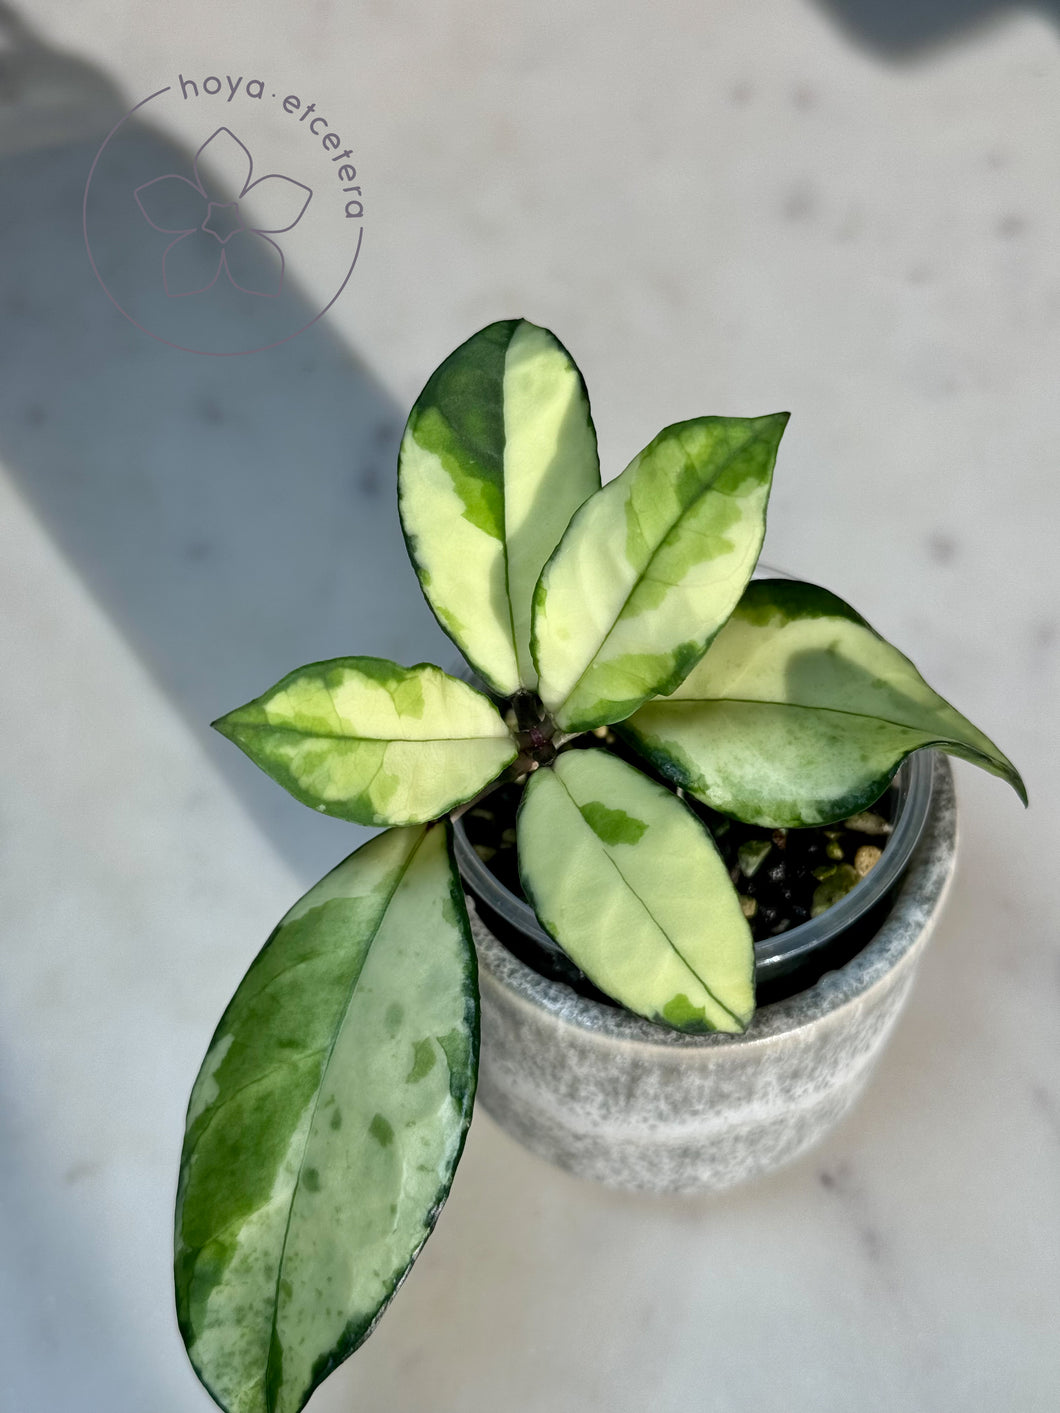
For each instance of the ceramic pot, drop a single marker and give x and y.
(609, 1096)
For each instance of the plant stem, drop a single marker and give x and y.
(560, 741)
(528, 710)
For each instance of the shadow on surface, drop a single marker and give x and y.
(50, 1268)
(235, 516)
(907, 29)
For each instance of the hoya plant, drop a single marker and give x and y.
(331, 1108)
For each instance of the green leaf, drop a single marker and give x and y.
(498, 454)
(629, 883)
(800, 713)
(326, 1123)
(368, 741)
(651, 567)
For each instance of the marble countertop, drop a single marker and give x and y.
(732, 208)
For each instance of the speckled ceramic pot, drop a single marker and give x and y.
(609, 1096)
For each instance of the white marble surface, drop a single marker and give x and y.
(733, 207)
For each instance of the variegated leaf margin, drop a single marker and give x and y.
(369, 741)
(800, 714)
(326, 1123)
(498, 454)
(629, 883)
(650, 568)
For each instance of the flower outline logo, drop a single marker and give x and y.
(223, 238)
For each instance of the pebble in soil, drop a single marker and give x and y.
(786, 876)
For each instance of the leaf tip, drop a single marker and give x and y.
(224, 725)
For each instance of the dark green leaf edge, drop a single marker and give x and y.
(787, 595)
(356, 1335)
(241, 733)
(672, 770)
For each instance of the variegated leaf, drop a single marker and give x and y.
(651, 567)
(326, 1123)
(629, 883)
(498, 454)
(800, 713)
(368, 741)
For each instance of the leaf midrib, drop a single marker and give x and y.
(273, 1332)
(504, 499)
(342, 736)
(655, 921)
(791, 706)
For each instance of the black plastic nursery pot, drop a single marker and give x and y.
(609, 1096)
(786, 962)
